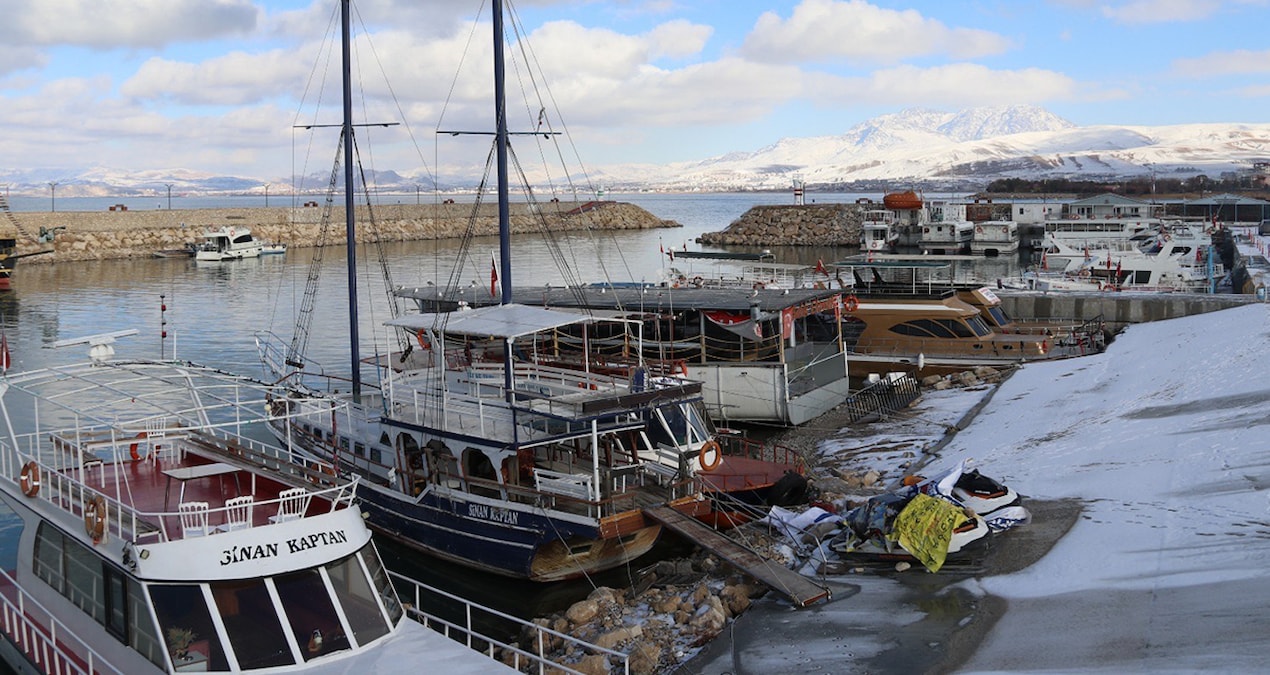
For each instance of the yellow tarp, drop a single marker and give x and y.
(925, 527)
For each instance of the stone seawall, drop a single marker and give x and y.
(808, 225)
(103, 235)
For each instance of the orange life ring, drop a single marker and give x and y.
(709, 456)
(852, 303)
(423, 341)
(680, 368)
(979, 230)
(29, 479)
(95, 517)
(134, 448)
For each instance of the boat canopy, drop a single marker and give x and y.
(500, 321)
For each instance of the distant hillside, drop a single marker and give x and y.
(914, 148)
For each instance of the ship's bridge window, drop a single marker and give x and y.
(310, 613)
(187, 627)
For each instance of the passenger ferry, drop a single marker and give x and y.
(156, 535)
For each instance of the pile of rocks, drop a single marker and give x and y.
(658, 625)
(810, 225)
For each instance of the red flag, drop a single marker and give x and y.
(820, 267)
(5, 360)
(493, 276)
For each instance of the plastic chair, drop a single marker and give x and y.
(193, 518)
(292, 504)
(238, 513)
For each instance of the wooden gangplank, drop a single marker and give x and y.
(798, 588)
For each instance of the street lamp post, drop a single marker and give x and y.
(417, 188)
(169, 187)
(267, 195)
(53, 195)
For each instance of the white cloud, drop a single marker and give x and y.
(124, 23)
(1162, 11)
(678, 39)
(236, 78)
(955, 85)
(821, 30)
(1218, 64)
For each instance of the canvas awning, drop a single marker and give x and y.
(499, 321)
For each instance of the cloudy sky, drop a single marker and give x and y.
(217, 86)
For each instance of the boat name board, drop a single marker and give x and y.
(486, 512)
(238, 554)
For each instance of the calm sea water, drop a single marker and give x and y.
(213, 310)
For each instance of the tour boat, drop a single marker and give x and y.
(228, 243)
(150, 532)
(878, 231)
(994, 238)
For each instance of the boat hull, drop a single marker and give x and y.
(501, 538)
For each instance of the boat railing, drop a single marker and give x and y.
(419, 595)
(37, 633)
(883, 398)
(738, 445)
(66, 488)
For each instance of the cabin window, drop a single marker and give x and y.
(317, 433)
(979, 327)
(359, 449)
(922, 328)
(379, 577)
(999, 316)
(358, 600)
(376, 455)
(187, 628)
(251, 624)
(310, 613)
(116, 603)
(957, 328)
(343, 442)
(102, 591)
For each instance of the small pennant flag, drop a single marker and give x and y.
(493, 276)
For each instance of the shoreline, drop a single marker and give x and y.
(123, 234)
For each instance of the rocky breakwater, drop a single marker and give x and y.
(117, 234)
(807, 225)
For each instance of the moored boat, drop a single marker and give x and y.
(155, 535)
(228, 243)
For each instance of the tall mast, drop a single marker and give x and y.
(350, 226)
(500, 144)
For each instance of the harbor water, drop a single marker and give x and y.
(210, 312)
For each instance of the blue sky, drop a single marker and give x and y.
(216, 86)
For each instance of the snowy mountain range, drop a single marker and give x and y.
(916, 147)
(966, 149)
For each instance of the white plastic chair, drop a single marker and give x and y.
(193, 518)
(238, 513)
(292, 504)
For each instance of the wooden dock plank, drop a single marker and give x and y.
(798, 588)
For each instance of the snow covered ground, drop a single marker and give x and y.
(1162, 442)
